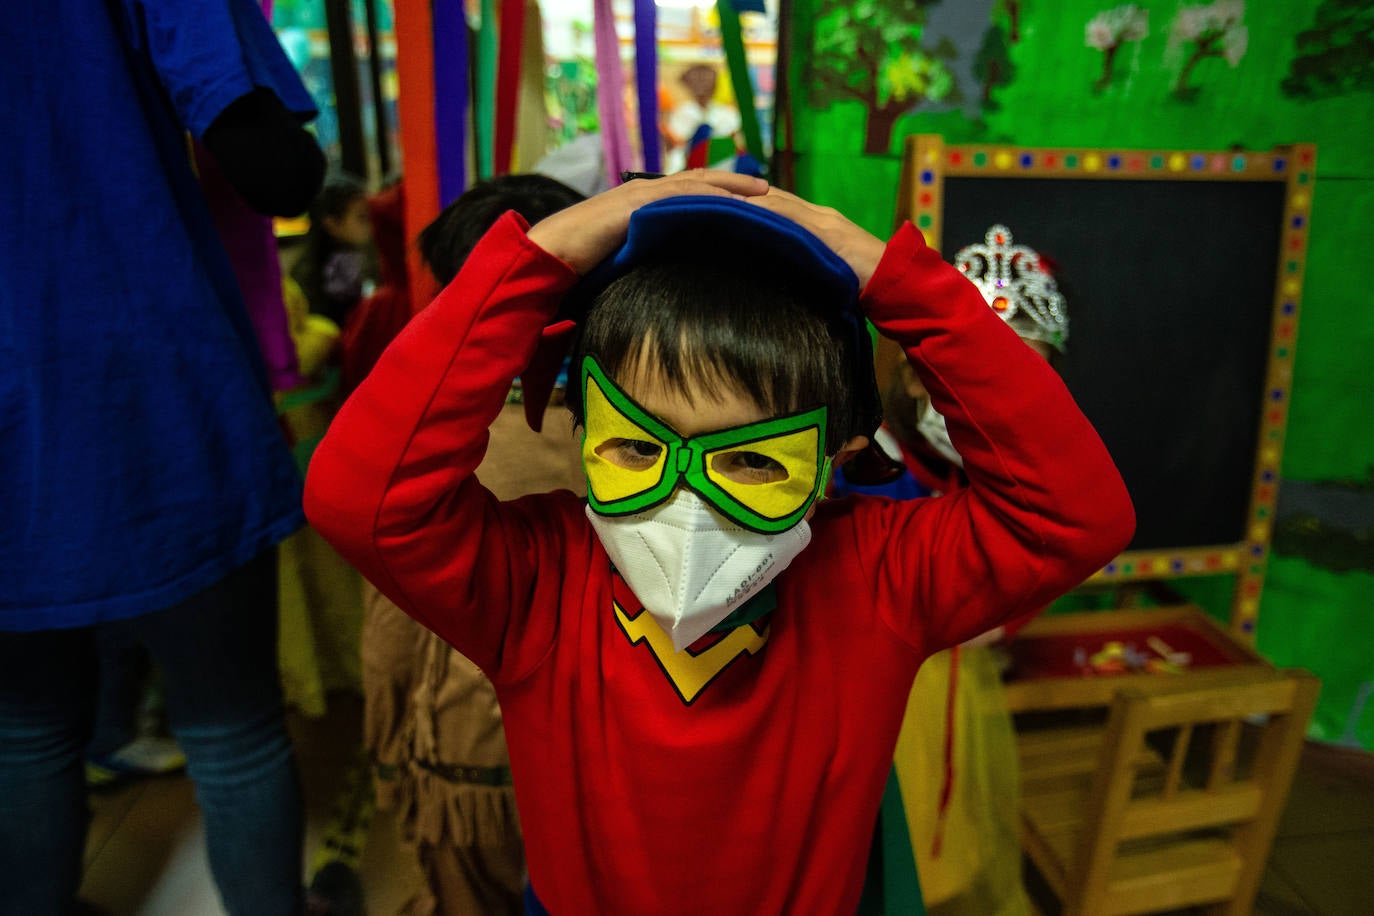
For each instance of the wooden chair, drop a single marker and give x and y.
(1065, 755)
(1145, 831)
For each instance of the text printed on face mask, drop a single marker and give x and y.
(747, 584)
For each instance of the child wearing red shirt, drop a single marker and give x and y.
(702, 668)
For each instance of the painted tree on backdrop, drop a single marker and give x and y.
(1336, 55)
(992, 65)
(1109, 30)
(1212, 30)
(870, 51)
(1012, 10)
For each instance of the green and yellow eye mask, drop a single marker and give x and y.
(764, 475)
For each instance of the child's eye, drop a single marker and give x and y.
(748, 467)
(633, 454)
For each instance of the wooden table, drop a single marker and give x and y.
(1043, 674)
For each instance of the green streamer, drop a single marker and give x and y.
(733, 41)
(487, 52)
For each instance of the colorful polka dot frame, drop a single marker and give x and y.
(967, 160)
(1295, 167)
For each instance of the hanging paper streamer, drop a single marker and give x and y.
(486, 88)
(450, 98)
(533, 132)
(415, 73)
(646, 81)
(610, 92)
(508, 83)
(733, 42)
(783, 171)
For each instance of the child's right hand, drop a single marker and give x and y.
(860, 249)
(587, 233)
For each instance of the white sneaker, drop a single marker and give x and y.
(146, 756)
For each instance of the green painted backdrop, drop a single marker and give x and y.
(1209, 76)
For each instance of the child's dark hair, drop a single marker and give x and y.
(446, 242)
(340, 192)
(707, 321)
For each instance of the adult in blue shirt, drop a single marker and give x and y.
(143, 479)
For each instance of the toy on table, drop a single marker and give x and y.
(1117, 657)
(1169, 660)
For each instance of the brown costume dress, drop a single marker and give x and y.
(432, 723)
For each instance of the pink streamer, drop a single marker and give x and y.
(610, 93)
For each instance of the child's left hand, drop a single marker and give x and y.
(860, 249)
(587, 232)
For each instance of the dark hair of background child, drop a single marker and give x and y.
(446, 242)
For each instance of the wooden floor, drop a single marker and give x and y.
(145, 853)
(1323, 857)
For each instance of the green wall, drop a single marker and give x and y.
(1318, 605)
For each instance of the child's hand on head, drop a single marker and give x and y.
(860, 249)
(585, 234)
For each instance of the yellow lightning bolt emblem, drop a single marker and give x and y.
(690, 673)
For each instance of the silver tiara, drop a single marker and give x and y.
(1018, 286)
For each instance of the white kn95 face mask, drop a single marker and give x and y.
(690, 566)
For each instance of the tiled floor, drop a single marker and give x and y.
(145, 853)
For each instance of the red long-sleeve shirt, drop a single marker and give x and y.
(743, 778)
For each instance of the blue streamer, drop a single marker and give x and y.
(450, 98)
(646, 81)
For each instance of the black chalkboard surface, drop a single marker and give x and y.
(1170, 290)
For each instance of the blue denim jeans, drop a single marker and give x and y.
(218, 655)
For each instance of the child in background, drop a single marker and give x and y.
(334, 269)
(698, 118)
(320, 650)
(432, 724)
(379, 317)
(700, 708)
(956, 756)
(321, 612)
(321, 617)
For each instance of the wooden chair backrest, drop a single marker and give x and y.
(1246, 800)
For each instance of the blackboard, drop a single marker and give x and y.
(1170, 287)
